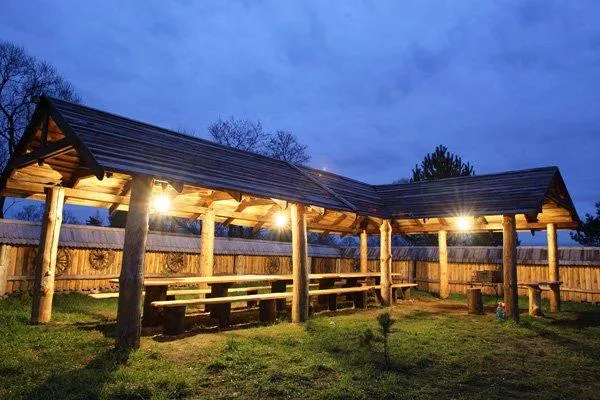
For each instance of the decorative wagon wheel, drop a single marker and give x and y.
(63, 261)
(273, 265)
(175, 262)
(101, 259)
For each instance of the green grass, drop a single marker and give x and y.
(437, 352)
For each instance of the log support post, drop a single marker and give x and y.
(509, 265)
(131, 279)
(553, 268)
(385, 261)
(299, 264)
(45, 268)
(443, 254)
(207, 244)
(364, 252)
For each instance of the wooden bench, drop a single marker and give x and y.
(174, 310)
(358, 294)
(404, 288)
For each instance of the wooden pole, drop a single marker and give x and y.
(4, 253)
(299, 264)
(553, 268)
(43, 288)
(207, 243)
(385, 262)
(364, 252)
(443, 250)
(131, 280)
(509, 265)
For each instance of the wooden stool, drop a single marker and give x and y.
(475, 301)
(267, 311)
(174, 321)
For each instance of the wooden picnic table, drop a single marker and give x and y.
(156, 289)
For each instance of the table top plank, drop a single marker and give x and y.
(223, 279)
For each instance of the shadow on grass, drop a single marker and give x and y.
(83, 383)
(582, 320)
(107, 329)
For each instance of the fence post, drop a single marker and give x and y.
(4, 251)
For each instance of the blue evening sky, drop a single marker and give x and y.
(369, 86)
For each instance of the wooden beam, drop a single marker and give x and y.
(443, 255)
(79, 174)
(385, 262)
(45, 269)
(531, 218)
(553, 268)
(129, 321)
(177, 185)
(300, 300)
(122, 193)
(52, 149)
(283, 205)
(266, 217)
(44, 138)
(509, 266)
(316, 209)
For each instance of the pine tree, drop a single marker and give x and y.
(441, 164)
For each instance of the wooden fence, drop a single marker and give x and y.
(89, 269)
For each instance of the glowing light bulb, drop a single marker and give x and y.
(162, 203)
(280, 220)
(463, 223)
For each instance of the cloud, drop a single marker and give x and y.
(370, 86)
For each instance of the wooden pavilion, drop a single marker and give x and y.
(79, 155)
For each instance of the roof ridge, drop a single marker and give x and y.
(516, 171)
(325, 187)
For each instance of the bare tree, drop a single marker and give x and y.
(240, 134)
(22, 77)
(35, 213)
(31, 212)
(285, 146)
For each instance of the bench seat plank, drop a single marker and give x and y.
(222, 300)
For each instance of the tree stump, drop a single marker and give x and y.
(535, 300)
(475, 301)
(267, 311)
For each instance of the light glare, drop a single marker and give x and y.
(280, 220)
(162, 203)
(463, 223)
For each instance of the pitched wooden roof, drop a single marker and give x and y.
(515, 192)
(81, 141)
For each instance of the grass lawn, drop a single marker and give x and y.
(437, 352)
